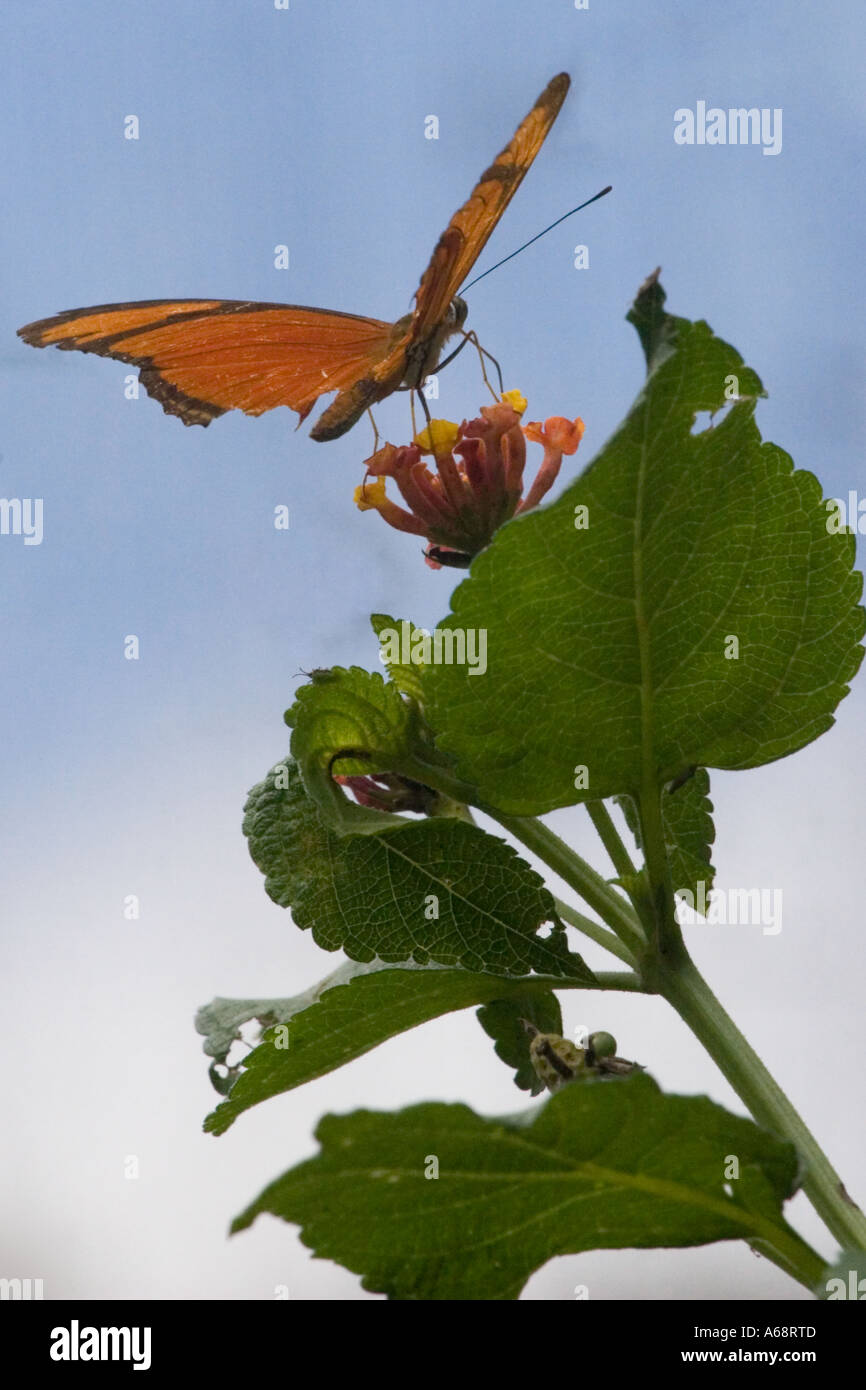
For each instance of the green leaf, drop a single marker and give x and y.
(502, 1021)
(440, 890)
(351, 724)
(221, 1021)
(845, 1279)
(656, 328)
(687, 816)
(406, 677)
(352, 709)
(612, 647)
(599, 1166)
(353, 1011)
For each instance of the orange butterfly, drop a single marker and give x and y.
(202, 357)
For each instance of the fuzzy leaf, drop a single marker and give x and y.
(687, 814)
(353, 1011)
(705, 616)
(599, 1166)
(502, 1021)
(430, 890)
(407, 677)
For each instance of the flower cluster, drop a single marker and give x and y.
(478, 482)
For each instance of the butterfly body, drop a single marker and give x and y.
(200, 358)
(423, 356)
(400, 370)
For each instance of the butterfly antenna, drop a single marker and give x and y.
(594, 199)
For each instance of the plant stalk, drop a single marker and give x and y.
(600, 935)
(579, 875)
(681, 983)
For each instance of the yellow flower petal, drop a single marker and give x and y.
(439, 437)
(515, 399)
(370, 496)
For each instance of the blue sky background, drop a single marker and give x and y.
(260, 127)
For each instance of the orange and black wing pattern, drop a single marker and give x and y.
(470, 228)
(454, 255)
(202, 357)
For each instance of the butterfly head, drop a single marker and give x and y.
(458, 313)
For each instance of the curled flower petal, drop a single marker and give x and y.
(388, 461)
(515, 399)
(544, 479)
(514, 462)
(564, 435)
(500, 417)
(439, 437)
(370, 497)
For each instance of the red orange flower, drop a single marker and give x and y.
(478, 483)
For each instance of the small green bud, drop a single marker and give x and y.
(601, 1045)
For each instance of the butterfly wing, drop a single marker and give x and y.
(415, 353)
(202, 357)
(471, 226)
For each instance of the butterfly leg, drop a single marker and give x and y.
(452, 355)
(369, 473)
(470, 337)
(375, 431)
(423, 399)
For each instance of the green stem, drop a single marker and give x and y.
(579, 875)
(619, 979)
(596, 933)
(600, 935)
(680, 982)
(661, 905)
(559, 856)
(666, 967)
(604, 979)
(611, 839)
(669, 969)
(794, 1257)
